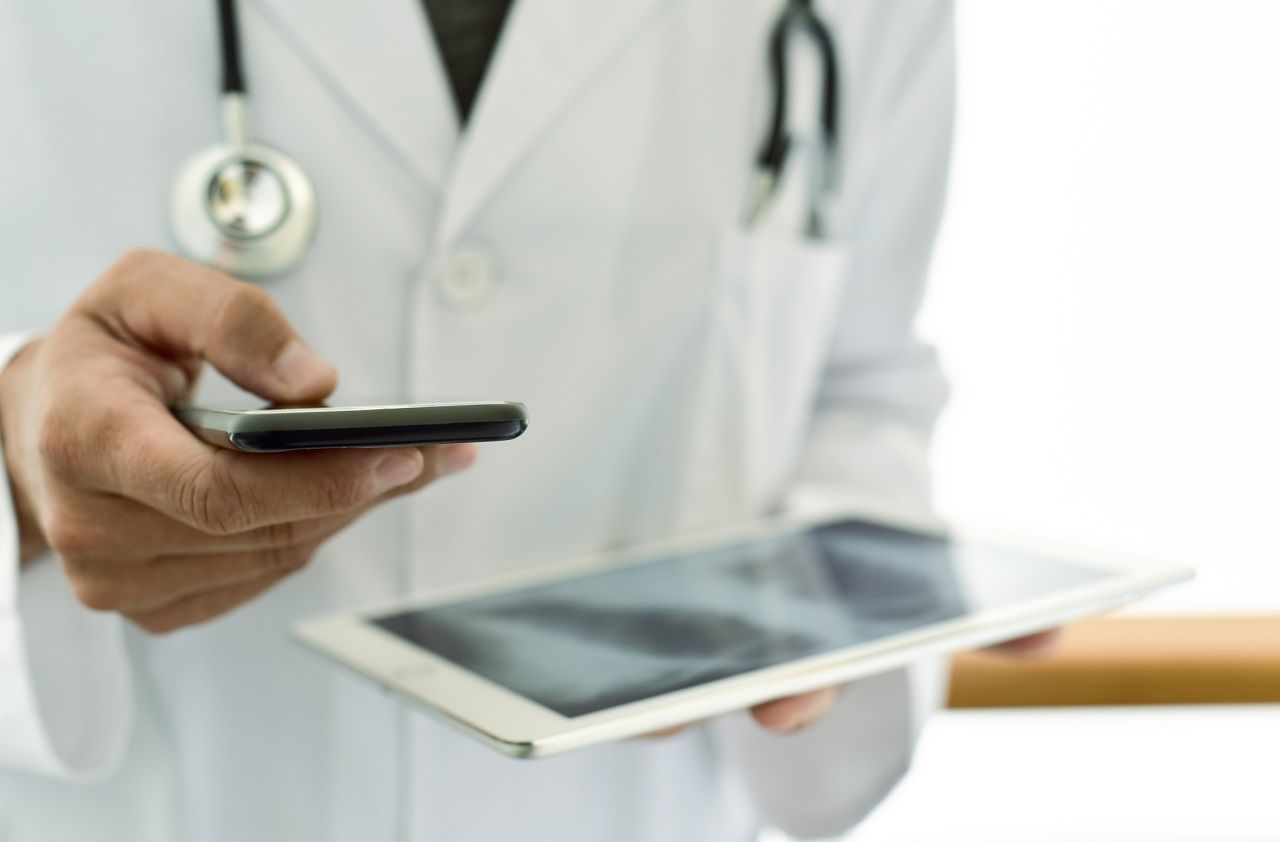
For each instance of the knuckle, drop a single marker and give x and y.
(57, 444)
(125, 271)
(297, 532)
(113, 431)
(66, 535)
(139, 258)
(95, 593)
(431, 473)
(282, 534)
(246, 300)
(123, 276)
(241, 310)
(338, 493)
(133, 262)
(285, 560)
(213, 502)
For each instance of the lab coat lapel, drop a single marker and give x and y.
(548, 52)
(382, 61)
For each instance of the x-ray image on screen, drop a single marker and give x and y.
(586, 644)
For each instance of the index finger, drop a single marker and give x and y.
(181, 309)
(222, 492)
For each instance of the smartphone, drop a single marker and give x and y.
(319, 428)
(635, 642)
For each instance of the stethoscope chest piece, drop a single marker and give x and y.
(240, 206)
(248, 210)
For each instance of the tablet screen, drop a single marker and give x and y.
(598, 641)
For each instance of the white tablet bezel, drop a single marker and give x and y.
(521, 727)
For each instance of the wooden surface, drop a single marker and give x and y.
(1132, 661)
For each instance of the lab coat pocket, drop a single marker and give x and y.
(769, 324)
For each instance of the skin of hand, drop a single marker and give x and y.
(148, 520)
(795, 713)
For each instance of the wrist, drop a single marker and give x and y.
(31, 543)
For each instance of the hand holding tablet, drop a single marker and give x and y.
(632, 644)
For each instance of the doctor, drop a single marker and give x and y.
(579, 247)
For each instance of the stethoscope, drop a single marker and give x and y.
(771, 159)
(241, 206)
(250, 210)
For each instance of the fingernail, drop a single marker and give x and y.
(397, 470)
(301, 369)
(454, 457)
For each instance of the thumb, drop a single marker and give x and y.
(183, 310)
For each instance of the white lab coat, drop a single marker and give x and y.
(577, 248)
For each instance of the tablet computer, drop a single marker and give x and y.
(625, 644)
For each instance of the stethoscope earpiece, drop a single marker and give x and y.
(242, 207)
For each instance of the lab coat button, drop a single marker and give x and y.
(467, 278)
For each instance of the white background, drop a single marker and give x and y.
(1107, 290)
(1107, 298)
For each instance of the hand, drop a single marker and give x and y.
(1030, 648)
(148, 520)
(795, 713)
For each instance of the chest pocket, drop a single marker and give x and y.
(768, 328)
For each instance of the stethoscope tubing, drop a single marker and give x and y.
(771, 155)
(229, 48)
(799, 13)
(277, 249)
